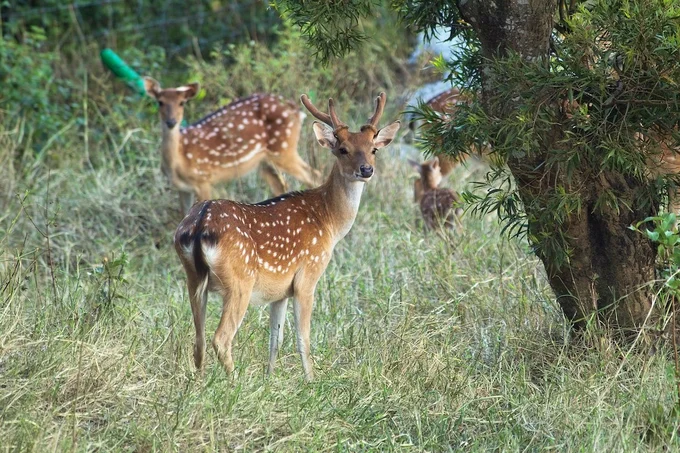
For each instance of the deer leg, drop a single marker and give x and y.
(299, 169)
(458, 225)
(417, 190)
(302, 310)
(234, 304)
(273, 178)
(186, 200)
(277, 319)
(198, 303)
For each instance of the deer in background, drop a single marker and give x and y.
(261, 129)
(445, 104)
(440, 207)
(663, 159)
(265, 253)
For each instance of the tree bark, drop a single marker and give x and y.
(610, 267)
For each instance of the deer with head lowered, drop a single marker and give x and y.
(265, 253)
(262, 129)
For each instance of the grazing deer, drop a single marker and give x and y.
(440, 207)
(265, 253)
(229, 143)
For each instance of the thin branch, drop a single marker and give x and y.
(611, 101)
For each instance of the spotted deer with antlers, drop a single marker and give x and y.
(265, 253)
(262, 129)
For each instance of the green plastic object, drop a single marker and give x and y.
(124, 72)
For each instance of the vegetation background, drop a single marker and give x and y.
(420, 345)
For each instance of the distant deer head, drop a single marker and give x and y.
(171, 101)
(430, 174)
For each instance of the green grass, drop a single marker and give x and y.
(419, 345)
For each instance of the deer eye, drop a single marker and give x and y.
(160, 103)
(181, 104)
(375, 150)
(343, 151)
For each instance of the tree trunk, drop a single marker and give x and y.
(610, 267)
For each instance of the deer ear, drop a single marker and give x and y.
(386, 135)
(414, 164)
(189, 90)
(324, 135)
(152, 87)
(435, 162)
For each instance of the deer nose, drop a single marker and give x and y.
(170, 123)
(366, 170)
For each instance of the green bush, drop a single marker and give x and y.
(289, 68)
(30, 88)
(180, 27)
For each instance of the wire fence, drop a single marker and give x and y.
(175, 25)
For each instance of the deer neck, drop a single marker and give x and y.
(430, 183)
(341, 198)
(171, 148)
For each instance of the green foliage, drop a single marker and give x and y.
(30, 88)
(607, 100)
(665, 234)
(336, 28)
(288, 68)
(178, 26)
(426, 15)
(109, 278)
(332, 28)
(612, 79)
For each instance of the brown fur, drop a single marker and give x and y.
(440, 207)
(267, 252)
(261, 129)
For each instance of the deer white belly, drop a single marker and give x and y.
(262, 298)
(266, 292)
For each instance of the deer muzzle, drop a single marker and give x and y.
(366, 171)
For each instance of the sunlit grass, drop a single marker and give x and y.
(419, 344)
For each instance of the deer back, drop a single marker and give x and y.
(440, 207)
(275, 237)
(234, 139)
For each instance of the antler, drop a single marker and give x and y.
(332, 119)
(379, 107)
(316, 112)
(336, 121)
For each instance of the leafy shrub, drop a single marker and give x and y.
(30, 88)
(289, 68)
(178, 26)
